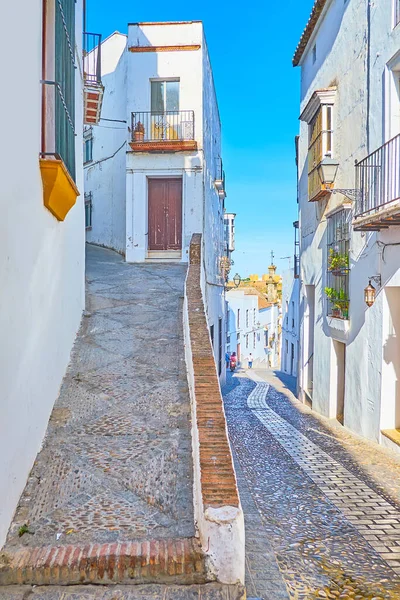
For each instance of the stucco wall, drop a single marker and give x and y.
(105, 174)
(41, 262)
(344, 59)
(264, 318)
(290, 322)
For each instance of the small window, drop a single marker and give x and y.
(266, 337)
(247, 318)
(88, 150)
(254, 316)
(88, 210)
(254, 340)
(247, 341)
(238, 318)
(212, 335)
(292, 314)
(314, 53)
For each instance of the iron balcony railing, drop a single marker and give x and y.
(167, 126)
(92, 58)
(378, 178)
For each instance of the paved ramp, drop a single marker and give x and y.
(116, 465)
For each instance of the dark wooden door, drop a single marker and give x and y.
(165, 214)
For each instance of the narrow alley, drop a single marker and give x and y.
(321, 505)
(116, 463)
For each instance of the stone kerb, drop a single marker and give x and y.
(217, 505)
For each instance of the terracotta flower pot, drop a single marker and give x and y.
(138, 136)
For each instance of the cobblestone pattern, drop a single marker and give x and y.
(319, 551)
(211, 591)
(116, 463)
(376, 519)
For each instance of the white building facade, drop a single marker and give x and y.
(154, 172)
(290, 322)
(252, 328)
(349, 56)
(42, 229)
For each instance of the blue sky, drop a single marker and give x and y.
(251, 45)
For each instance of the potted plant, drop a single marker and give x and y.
(337, 263)
(138, 133)
(333, 297)
(342, 302)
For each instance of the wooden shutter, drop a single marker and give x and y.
(65, 80)
(314, 155)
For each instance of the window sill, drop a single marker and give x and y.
(59, 189)
(338, 323)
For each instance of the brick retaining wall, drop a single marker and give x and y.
(218, 510)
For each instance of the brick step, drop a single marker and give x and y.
(157, 561)
(208, 591)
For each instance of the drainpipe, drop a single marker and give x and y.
(368, 71)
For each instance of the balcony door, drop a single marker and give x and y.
(165, 215)
(165, 110)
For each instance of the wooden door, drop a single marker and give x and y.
(165, 214)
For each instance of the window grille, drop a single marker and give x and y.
(65, 82)
(338, 265)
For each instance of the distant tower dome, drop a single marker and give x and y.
(271, 270)
(253, 277)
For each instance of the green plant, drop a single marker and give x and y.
(24, 529)
(337, 261)
(330, 293)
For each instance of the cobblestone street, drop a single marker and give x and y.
(321, 505)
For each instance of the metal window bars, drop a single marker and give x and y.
(91, 50)
(88, 210)
(338, 267)
(60, 136)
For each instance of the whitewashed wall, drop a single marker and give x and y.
(290, 322)
(41, 260)
(105, 176)
(342, 57)
(253, 331)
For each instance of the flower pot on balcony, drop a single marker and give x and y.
(336, 312)
(138, 133)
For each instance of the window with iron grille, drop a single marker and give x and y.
(247, 318)
(338, 263)
(65, 82)
(88, 210)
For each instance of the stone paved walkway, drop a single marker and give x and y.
(328, 516)
(116, 462)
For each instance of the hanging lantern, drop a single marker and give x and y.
(369, 294)
(237, 280)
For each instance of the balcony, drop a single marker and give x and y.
(163, 132)
(219, 181)
(92, 85)
(378, 185)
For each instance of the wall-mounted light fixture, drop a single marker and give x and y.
(237, 280)
(370, 290)
(327, 170)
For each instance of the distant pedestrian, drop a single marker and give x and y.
(250, 361)
(227, 359)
